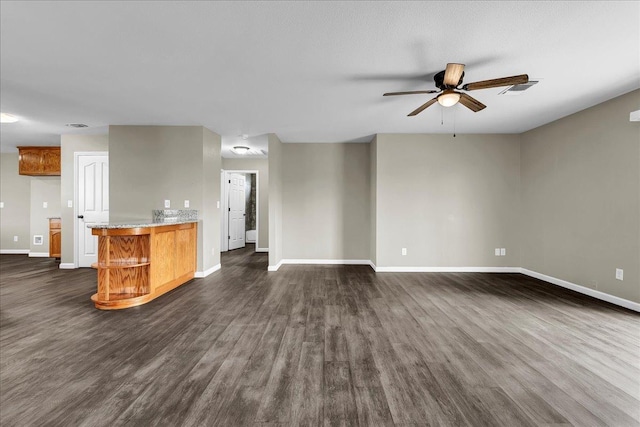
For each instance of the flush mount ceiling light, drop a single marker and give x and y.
(449, 98)
(240, 149)
(7, 118)
(76, 125)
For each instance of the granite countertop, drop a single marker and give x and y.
(160, 217)
(139, 224)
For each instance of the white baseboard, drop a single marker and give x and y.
(327, 261)
(67, 266)
(319, 262)
(14, 251)
(583, 290)
(559, 282)
(201, 274)
(262, 249)
(274, 267)
(39, 254)
(446, 269)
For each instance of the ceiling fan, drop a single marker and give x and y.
(449, 81)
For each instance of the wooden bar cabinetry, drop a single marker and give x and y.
(136, 265)
(39, 161)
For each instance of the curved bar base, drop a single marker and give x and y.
(139, 264)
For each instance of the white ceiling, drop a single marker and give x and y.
(310, 72)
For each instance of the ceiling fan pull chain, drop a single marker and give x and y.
(454, 122)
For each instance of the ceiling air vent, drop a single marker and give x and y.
(518, 89)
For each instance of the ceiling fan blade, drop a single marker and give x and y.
(413, 92)
(452, 74)
(471, 103)
(505, 81)
(423, 107)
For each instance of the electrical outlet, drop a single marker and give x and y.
(1, 205)
(404, 251)
(69, 203)
(15, 238)
(45, 205)
(218, 204)
(503, 251)
(167, 204)
(497, 251)
(186, 203)
(619, 274)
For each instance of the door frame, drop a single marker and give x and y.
(224, 205)
(76, 159)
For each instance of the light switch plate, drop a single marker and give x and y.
(186, 203)
(167, 204)
(45, 204)
(69, 203)
(218, 204)
(1, 205)
(404, 251)
(15, 238)
(503, 251)
(497, 252)
(619, 274)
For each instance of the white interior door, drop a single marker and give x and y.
(92, 203)
(236, 210)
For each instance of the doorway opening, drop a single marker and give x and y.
(240, 224)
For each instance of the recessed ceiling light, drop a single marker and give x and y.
(240, 149)
(7, 118)
(245, 136)
(77, 125)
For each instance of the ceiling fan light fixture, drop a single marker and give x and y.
(449, 99)
(240, 149)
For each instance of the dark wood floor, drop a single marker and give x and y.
(313, 345)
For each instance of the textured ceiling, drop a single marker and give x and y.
(310, 72)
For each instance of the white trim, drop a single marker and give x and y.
(373, 266)
(261, 249)
(14, 251)
(67, 266)
(447, 269)
(201, 274)
(583, 290)
(274, 267)
(327, 261)
(38, 254)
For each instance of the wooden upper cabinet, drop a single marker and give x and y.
(39, 161)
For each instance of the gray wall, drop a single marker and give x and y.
(69, 145)
(449, 201)
(15, 193)
(581, 196)
(150, 164)
(211, 163)
(373, 200)
(325, 201)
(43, 189)
(262, 166)
(275, 199)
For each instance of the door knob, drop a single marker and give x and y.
(81, 216)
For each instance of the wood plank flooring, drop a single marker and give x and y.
(314, 345)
